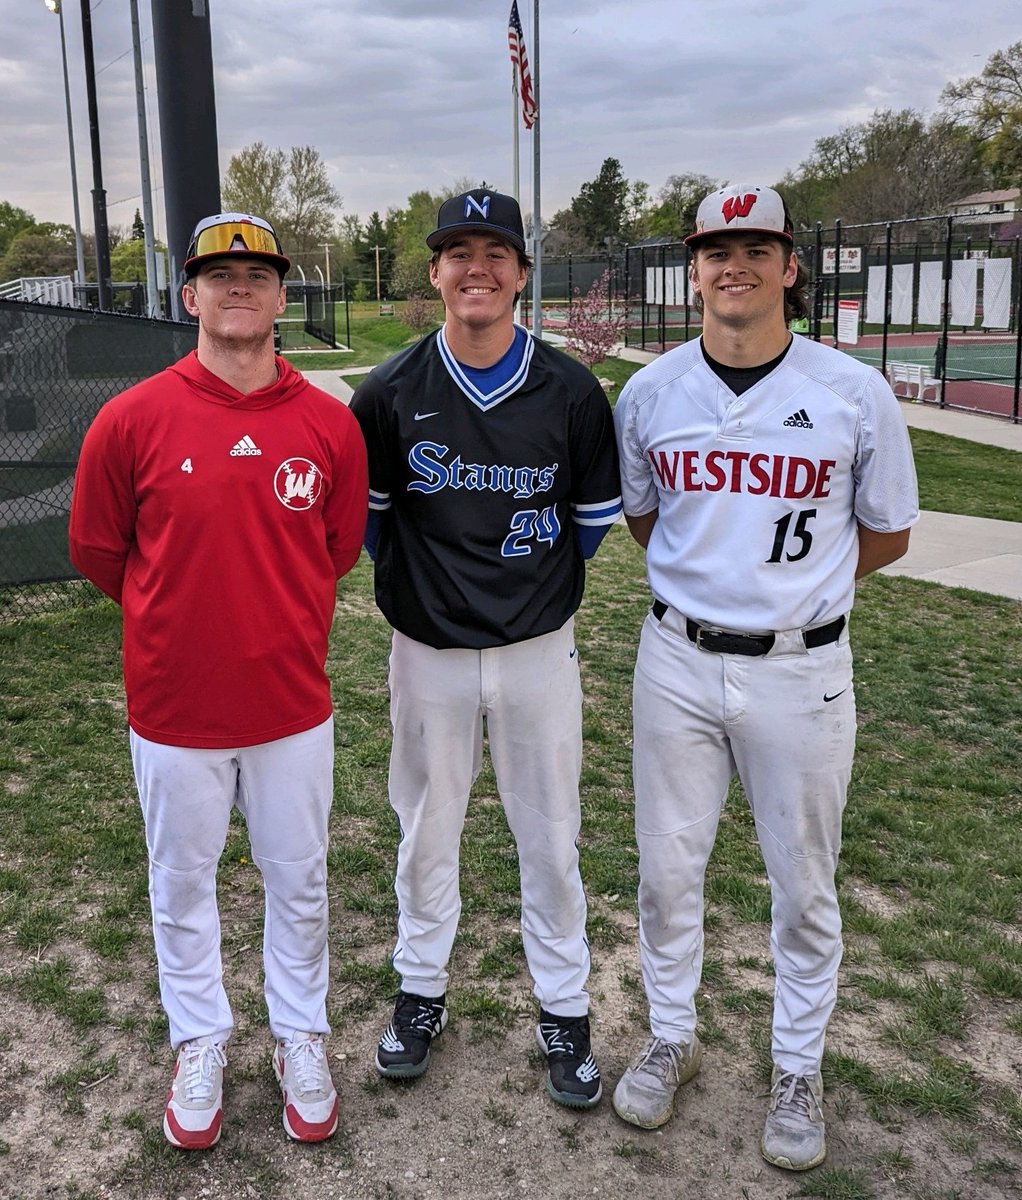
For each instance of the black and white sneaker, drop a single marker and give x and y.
(574, 1077)
(403, 1051)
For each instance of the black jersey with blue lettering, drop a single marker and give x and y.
(478, 494)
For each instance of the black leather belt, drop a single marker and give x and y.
(722, 641)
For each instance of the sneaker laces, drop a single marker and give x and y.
(661, 1058)
(560, 1036)
(792, 1096)
(308, 1060)
(416, 1015)
(200, 1063)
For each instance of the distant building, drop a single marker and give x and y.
(988, 213)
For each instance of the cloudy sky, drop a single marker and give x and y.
(400, 95)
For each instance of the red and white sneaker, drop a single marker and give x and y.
(195, 1101)
(310, 1101)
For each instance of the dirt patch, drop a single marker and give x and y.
(479, 1123)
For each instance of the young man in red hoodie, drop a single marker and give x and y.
(218, 503)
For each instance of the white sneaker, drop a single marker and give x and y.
(310, 1101)
(644, 1095)
(794, 1134)
(194, 1111)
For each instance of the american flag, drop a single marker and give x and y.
(520, 62)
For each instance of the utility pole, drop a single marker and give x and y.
(377, 249)
(327, 246)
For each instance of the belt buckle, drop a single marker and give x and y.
(709, 631)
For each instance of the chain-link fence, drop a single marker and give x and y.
(567, 277)
(922, 292)
(58, 366)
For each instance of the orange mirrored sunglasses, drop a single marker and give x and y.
(222, 239)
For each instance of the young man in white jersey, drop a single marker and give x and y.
(218, 503)
(493, 476)
(764, 474)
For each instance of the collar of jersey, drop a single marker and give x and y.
(518, 361)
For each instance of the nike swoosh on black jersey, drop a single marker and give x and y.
(422, 416)
(827, 699)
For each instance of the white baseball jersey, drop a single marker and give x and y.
(759, 494)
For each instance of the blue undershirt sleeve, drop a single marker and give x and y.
(372, 537)
(589, 538)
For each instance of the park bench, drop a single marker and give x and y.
(916, 378)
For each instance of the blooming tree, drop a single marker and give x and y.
(420, 314)
(593, 329)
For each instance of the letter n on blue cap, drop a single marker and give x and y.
(483, 208)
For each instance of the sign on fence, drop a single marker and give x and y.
(851, 259)
(848, 322)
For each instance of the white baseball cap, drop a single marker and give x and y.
(742, 208)
(231, 234)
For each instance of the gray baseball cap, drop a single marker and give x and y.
(479, 211)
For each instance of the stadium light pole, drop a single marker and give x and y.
(152, 290)
(54, 7)
(98, 191)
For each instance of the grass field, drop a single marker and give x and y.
(924, 1056)
(373, 338)
(928, 1030)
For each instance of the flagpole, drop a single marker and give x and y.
(515, 160)
(515, 176)
(537, 223)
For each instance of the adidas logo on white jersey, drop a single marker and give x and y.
(800, 420)
(246, 447)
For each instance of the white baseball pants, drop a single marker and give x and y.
(530, 696)
(700, 718)
(283, 789)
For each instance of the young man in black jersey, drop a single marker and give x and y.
(493, 476)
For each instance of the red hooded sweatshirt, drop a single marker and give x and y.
(221, 522)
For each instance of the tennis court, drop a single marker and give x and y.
(987, 357)
(979, 369)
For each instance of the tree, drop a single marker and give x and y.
(566, 234)
(254, 182)
(127, 260)
(312, 202)
(897, 165)
(377, 247)
(678, 200)
(600, 209)
(291, 190)
(137, 228)
(12, 222)
(593, 329)
(44, 249)
(406, 232)
(807, 196)
(990, 105)
(421, 314)
(638, 212)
